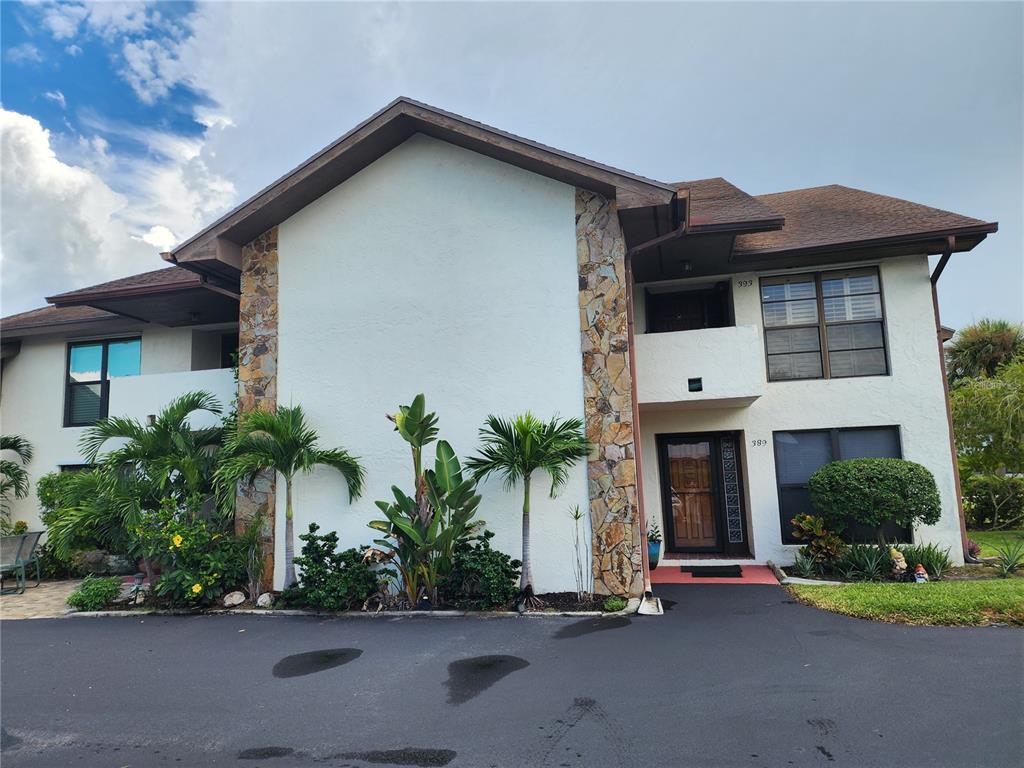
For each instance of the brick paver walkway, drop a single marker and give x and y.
(43, 602)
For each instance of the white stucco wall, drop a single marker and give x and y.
(32, 397)
(912, 398)
(441, 271)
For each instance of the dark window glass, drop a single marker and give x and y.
(848, 314)
(688, 310)
(799, 454)
(91, 365)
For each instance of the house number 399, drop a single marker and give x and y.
(744, 283)
(759, 443)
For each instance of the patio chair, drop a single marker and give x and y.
(15, 553)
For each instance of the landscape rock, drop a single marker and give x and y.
(232, 599)
(265, 600)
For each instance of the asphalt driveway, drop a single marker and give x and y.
(731, 676)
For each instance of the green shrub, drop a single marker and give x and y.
(866, 562)
(935, 561)
(53, 567)
(96, 593)
(805, 566)
(993, 501)
(822, 545)
(1009, 557)
(481, 578)
(331, 580)
(874, 492)
(198, 559)
(614, 604)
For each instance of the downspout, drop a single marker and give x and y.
(638, 463)
(946, 253)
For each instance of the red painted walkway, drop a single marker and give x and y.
(751, 574)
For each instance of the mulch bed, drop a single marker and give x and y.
(568, 601)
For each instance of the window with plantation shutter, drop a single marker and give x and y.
(91, 366)
(824, 325)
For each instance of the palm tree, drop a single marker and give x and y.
(515, 450)
(13, 476)
(980, 349)
(281, 442)
(159, 459)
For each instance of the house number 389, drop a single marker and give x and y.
(759, 443)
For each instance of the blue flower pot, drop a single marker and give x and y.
(653, 553)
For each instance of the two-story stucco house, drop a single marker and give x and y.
(719, 346)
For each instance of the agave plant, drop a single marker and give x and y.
(423, 531)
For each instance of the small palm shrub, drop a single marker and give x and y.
(805, 566)
(874, 492)
(1009, 558)
(481, 578)
(614, 604)
(332, 580)
(935, 560)
(864, 561)
(95, 593)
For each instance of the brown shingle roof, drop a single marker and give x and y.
(717, 204)
(47, 316)
(835, 215)
(167, 278)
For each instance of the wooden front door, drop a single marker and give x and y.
(691, 476)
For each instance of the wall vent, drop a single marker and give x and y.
(695, 385)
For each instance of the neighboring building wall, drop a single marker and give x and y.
(607, 388)
(911, 397)
(32, 400)
(441, 271)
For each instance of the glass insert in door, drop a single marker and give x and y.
(691, 479)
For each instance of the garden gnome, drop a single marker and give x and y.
(920, 574)
(899, 563)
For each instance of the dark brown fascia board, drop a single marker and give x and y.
(88, 299)
(376, 136)
(39, 329)
(738, 228)
(934, 242)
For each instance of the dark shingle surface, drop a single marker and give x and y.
(169, 276)
(833, 215)
(45, 316)
(716, 202)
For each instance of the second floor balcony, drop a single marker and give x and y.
(710, 367)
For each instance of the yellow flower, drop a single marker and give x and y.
(177, 539)
(197, 588)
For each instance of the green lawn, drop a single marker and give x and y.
(989, 540)
(963, 603)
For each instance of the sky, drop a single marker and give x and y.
(126, 127)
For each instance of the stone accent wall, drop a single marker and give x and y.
(607, 390)
(257, 375)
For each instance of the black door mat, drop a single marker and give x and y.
(713, 571)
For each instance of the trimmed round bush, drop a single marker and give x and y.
(875, 491)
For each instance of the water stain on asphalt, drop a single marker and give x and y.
(415, 756)
(826, 753)
(311, 662)
(8, 740)
(468, 678)
(262, 753)
(668, 605)
(589, 626)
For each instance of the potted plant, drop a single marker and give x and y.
(653, 545)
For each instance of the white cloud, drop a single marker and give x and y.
(151, 68)
(26, 53)
(95, 215)
(73, 50)
(63, 19)
(57, 97)
(160, 237)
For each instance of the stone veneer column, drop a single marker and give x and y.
(257, 376)
(607, 391)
